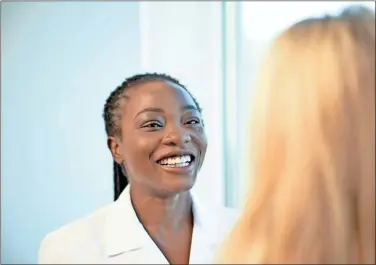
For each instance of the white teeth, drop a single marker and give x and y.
(178, 165)
(176, 161)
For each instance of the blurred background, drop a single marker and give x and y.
(61, 60)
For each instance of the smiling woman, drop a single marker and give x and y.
(157, 140)
(112, 118)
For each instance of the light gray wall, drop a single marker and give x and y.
(59, 62)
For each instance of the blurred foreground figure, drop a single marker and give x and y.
(313, 148)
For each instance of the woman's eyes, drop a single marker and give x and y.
(157, 124)
(152, 124)
(193, 121)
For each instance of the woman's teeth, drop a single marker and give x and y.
(176, 161)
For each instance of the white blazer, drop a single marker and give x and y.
(114, 235)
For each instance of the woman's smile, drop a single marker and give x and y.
(180, 162)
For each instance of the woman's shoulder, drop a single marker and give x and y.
(78, 235)
(84, 223)
(215, 217)
(209, 207)
(227, 215)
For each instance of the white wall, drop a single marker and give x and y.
(59, 62)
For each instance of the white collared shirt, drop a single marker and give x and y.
(114, 235)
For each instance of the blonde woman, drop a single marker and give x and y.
(313, 148)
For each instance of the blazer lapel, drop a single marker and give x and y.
(205, 237)
(126, 240)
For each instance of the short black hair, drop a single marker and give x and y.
(112, 116)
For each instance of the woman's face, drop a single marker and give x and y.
(163, 141)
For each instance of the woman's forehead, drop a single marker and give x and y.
(161, 94)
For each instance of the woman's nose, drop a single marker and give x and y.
(177, 137)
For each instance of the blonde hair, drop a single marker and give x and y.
(313, 148)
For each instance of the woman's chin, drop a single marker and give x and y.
(179, 185)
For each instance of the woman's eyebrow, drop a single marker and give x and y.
(159, 110)
(150, 109)
(189, 107)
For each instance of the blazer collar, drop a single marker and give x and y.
(124, 232)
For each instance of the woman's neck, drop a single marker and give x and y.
(167, 215)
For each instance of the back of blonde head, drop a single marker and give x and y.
(313, 148)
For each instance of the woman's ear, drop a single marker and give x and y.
(113, 144)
